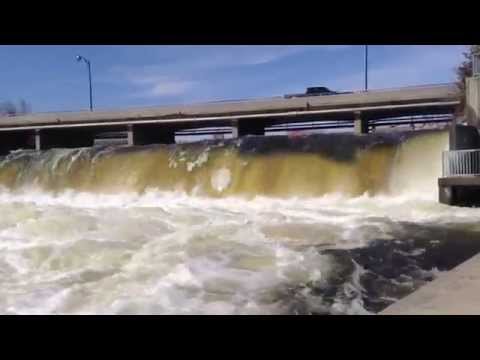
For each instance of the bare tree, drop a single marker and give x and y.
(8, 108)
(463, 71)
(23, 107)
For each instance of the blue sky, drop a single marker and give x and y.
(49, 78)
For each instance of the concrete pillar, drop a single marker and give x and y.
(235, 129)
(37, 140)
(360, 124)
(247, 127)
(445, 195)
(150, 134)
(130, 135)
(464, 137)
(472, 102)
(468, 196)
(459, 190)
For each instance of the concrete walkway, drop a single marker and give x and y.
(456, 292)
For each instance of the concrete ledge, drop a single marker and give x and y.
(467, 180)
(456, 292)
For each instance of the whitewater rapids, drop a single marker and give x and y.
(215, 230)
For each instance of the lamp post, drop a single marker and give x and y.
(366, 67)
(80, 58)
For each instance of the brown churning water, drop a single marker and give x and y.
(270, 166)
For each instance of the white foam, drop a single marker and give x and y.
(221, 179)
(162, 252)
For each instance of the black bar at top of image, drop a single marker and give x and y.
(248, 24)
(231, 38)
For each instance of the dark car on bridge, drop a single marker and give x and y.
(313, 91)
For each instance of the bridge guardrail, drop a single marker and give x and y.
(461, 162)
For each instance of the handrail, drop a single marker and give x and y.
(461, 162)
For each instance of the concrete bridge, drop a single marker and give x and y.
(247, 117)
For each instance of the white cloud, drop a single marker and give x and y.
(162, 87)
(201, 58)
(151, 84)
(231, 56)
(170, 88)
(181, 68)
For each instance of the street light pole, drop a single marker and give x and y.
(80, 58)
(366, 67)
(90, 84)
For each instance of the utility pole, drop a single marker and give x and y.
(366, 67)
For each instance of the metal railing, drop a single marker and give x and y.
(461, 162)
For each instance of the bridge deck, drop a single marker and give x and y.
(438, 96)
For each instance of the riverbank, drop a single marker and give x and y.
(456, 292)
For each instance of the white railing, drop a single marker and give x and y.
(461, 162)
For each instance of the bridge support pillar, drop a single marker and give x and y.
(38, 143)
(150, 134)
(464, 137)
(130, 135)
(247, 127)
(463, 195)
(360, 124)
(62, 138)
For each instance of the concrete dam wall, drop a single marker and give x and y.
(270, 166)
